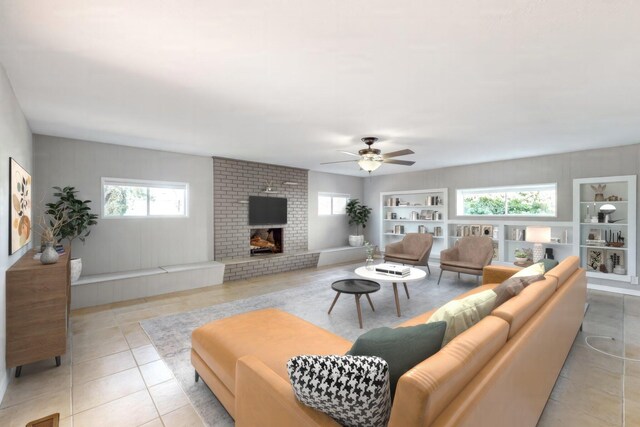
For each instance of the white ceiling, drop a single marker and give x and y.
(292, 82)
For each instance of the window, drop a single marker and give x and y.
(122, 198)
(332, 204)
(525, 200)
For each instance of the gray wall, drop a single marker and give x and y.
(15, 141)
(233, 182)
(561, 168)
(330, 231)
(125, 244)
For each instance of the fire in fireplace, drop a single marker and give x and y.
(265, 241)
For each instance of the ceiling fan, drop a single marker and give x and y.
(372, 158)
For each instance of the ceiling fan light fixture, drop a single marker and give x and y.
(370, 163)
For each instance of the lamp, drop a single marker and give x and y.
(607, 210)
(370, 162)
(538, 235)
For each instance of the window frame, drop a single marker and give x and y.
(332, 195)
(460, 193)
(148, 183)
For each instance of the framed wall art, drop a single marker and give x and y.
(595, 257)
(20, 225)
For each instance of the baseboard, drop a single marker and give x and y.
(613, 289)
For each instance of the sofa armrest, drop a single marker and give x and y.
(450, 254)
(393, 248)
(497, 273)
(265, 398)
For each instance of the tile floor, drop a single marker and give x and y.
(112, 375)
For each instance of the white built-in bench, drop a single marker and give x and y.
(341, 255)
(125, 285)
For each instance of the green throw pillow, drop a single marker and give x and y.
(401, 348)
(548, 263)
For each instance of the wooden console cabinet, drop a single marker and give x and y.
(38, 302)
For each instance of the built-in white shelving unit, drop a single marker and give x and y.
(418, 211)
(601, 243)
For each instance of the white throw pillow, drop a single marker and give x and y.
(532, 270)
(353, 390)
(462, 314)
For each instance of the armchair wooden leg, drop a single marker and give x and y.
(440, 277)
(429, 269)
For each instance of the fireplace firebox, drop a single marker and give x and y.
(263, 241)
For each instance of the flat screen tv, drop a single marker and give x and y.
(267, 210)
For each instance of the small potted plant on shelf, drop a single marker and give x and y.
(78, 221)
(358, 215)
(521, 255)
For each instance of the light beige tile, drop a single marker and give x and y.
(101, 349)
(102, 390)
(37, 379)
(153, 423)
(135, 335)
(589, 400)
(155, 373)
(129, 411)
(145, 354)
(86, 339)
(557, 414)
(183, 417)
(59, 401)
(135, 316)
(66, 422)
(102, 366)
(168, 396)
(92, 322)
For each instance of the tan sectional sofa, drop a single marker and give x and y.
(500, 372)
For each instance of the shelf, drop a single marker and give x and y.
(396, 234)
(605, 202)
(609, 276)
(607, 224)
(460, 237)
(416, 206)
(603, 247)
(544, 244)
(414, 220)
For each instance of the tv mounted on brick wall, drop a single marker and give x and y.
(267, 210)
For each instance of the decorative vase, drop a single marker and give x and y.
(368, 263)
(76, 269)
(49, 254)
(356, 240)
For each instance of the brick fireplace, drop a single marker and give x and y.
(264, 241)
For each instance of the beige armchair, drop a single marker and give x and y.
(470, 255)
(413, 249)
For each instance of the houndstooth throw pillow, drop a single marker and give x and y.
(354, 390)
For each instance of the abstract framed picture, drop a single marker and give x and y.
(20, 226)
(595, 257)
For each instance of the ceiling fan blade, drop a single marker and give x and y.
(399, 162)
(351, 154)
(397, 153)
(341, 161)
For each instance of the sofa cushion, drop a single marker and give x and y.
(401, 348)
(401, 257)
(462, 264)
(272, 335)
(532, 270)
(549, 264)
(462, 314)
(565, 269)
(354, 390)
(518, 310)
(512, 287)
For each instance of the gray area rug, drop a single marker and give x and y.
(171, 334)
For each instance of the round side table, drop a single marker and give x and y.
(357, 287)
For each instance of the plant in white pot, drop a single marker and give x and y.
(358, 215)
(78, 221)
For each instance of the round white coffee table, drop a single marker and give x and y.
(415, 275)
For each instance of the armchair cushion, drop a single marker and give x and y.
(354, 390)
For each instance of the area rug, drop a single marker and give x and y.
(171, 335)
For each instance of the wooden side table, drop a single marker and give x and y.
(357, 287)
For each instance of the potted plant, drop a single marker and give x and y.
(77, 217)
(358, 215)
(521, 255)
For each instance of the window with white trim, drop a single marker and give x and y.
(135, 198)
(515, 200)
(332, 204)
